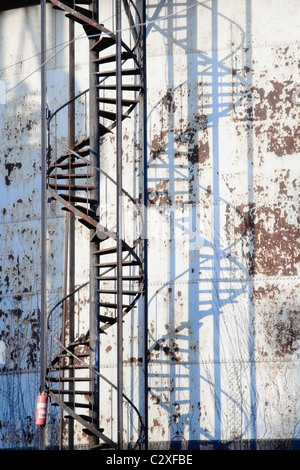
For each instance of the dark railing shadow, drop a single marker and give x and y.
(217, 271)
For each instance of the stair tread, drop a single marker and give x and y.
(114, 264)
(67, 355)
(89, 432)
(91, 30)
(112, 72)
(112, 58)
(70, 175)
(124, 292)
(69, 379)
(70, 392)
(79, 150)
(70, 367)
(103, 43)
(125, 102)
(127, 87)
(110, 115)
(78, 20)
(75, 405)
(84, 11)
(78, 199)
(111, 249)
(106, 319)
(87, 211)
(73, 164)
(95, 236)
(87, 418)
(114, 278)
(104, 130)
(112, 305)
(82, 143)
(87, 224)
(74, 187)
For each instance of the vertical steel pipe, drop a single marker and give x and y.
(43, 336)
(70, 215)
(145, 240)
(94, 194)
(119, 226)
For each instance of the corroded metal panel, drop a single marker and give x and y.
(20, 209)
(223, 220)
(224, 191)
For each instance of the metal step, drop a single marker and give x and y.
(90, 433)
(113, 264)
(114, 292)
(111, 73)
(83, 11)
(84, 210)
(87, 418)
(87, 224)
(71, 392)
(125, 102)
(70, 187)
(75, 405)
(103, 43)
(107, 251)
(70, 176)
(91, 30)
(109, 115)
(95, 236)
(114, 306)
(69, 379)
(71, 367)
(112, 58)
(66, 166)
(104, 130)
(127, 87)
(81, 152)
(114, 278)
(73, 17)
(78, 199)
(106, 319)
(82, 143)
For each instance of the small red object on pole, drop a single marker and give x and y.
(41, 409)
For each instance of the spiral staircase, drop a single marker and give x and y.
(73, 181)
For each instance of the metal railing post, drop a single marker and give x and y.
(119, 226)
(43, 337)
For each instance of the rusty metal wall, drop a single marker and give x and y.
(223, 136)
(223, 222)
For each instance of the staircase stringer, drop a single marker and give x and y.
(82, 152)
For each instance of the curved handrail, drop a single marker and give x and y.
(112, 235)
(88, 366)
(130, 250)
(96, 25)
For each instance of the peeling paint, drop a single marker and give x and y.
(223, 207)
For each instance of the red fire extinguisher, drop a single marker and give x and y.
(41, 409)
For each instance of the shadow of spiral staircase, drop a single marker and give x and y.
(73, 180)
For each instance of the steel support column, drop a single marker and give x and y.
(70, 215)
(94, 194)
(144, 231)
(43, 336)
(119, 226)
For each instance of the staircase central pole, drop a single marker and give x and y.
(119, 227)
(145, 232)
(94, 244)
(43, 309)
(70, 215)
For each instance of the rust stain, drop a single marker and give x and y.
(280, 324)
(10, 167)
(271, 237)
(171, 351)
